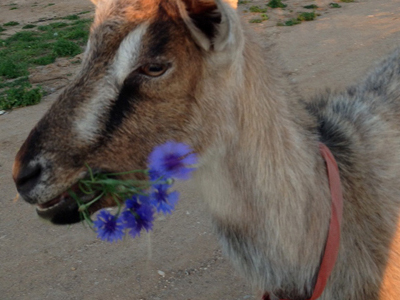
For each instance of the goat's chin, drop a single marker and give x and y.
(65, 213)
(64, 209)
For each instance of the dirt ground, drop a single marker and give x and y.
(180, 259)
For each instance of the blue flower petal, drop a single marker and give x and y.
(162, 200)
(171, 160)
(108, 227)
(138, 219)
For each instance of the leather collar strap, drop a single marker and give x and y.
(333, 240)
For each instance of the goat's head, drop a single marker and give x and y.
(148, 76)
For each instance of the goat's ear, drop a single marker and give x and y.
(210, 22)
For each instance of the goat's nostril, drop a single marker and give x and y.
(27, 178)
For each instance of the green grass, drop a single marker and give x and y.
(84, 12)
(38, 46)
(256, 20)
(312, 6)
(2, 29)
(58, 25)
(276, 4)
(82, 21)
(13, 83)
(66, 48)
(257, 9)
(347, 1)
(44, 28)
(12, 23)
(22, 37)
(306, 16)
(10, 69)
(45, 60)
(334, 5)
(71, 17)
(23, 95)
(77, 33)
(29, 26)
(264, 17)
(13, 8)
(240, 2)
(292, 22)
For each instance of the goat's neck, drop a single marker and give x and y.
(264, 178)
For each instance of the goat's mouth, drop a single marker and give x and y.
(64, 209)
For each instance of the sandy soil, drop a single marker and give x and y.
(39, 261)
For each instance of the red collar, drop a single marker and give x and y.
(333, 240)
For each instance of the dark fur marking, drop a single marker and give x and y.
(124, 105)
(207, 22)
(30, 147)
(236, 240)
(336, 140)
(330, 132)
(160, 36)
(160, 33)
(205, 16)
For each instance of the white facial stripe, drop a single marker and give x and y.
(87, 121)
(128, 54)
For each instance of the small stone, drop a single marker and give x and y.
(73, 269)
(2, 112)
(161, 273)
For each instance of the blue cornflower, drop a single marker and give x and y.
(138, 215)
(172, 160)
(156, 177)
(163, 201)
(136, 201)
(108, 227)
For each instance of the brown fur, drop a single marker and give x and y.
(260, 168)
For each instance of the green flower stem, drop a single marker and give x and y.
(146, 172)
(84, 207)
(118, 203)
(83, 214)
(103, 184)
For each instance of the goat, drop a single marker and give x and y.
(190, 71)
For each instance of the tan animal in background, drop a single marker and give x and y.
(187, 70)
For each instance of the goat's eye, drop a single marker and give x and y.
(154, 70)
